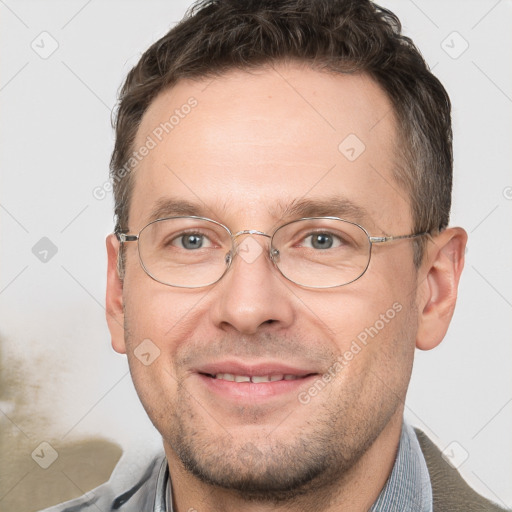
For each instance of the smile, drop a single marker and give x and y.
(256, 379)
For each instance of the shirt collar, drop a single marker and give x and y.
(408, 487)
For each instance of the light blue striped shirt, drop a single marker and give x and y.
(408, 487)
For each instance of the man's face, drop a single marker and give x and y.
(255, 144)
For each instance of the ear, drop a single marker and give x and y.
(439, 275)
(114, 299)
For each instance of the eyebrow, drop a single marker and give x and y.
(335, 206)
(172, 207)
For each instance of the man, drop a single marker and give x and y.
(282, 176)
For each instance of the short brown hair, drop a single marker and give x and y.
(344, 36)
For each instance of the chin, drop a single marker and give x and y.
(262, 467)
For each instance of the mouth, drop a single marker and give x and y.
(253, 382)
(255, 379)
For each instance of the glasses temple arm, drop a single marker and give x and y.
(123, 237)
(383, 239)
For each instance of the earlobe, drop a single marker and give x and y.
(114, 297)
(437, 291)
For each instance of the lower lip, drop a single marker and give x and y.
(251, 390)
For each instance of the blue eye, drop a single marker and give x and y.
(192, 241)
(322, 241)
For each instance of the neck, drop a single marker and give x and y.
(353, 491)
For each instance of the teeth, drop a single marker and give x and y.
(225, 376)
(256, 379)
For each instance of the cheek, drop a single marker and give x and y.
(157, 389)
(371, 327)
(376, 361)
(158, 321)
(358, 312)
(154, 327)
(160, 313)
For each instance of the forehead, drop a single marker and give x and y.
(239, 144)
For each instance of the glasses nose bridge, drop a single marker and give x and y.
(235, 236)
(249, 232)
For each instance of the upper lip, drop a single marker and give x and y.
(262, 368)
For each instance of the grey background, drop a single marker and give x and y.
(61, 381)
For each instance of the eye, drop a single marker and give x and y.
(191, 241)
(322, 241)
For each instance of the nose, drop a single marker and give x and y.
(252, 296)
